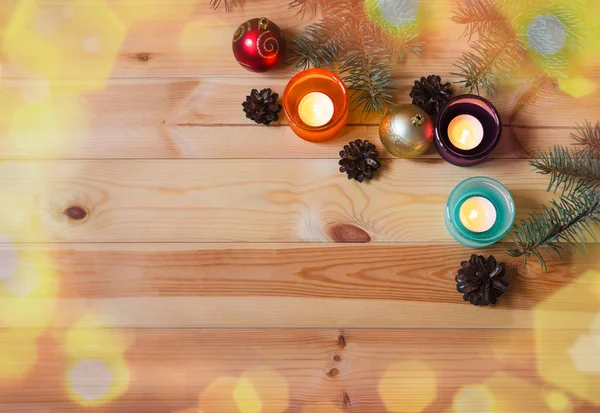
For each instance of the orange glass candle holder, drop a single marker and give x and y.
(316, 80)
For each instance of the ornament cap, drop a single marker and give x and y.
(418, 119)
(263, 24)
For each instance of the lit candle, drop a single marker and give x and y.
(465, 132)
(477, 214)
(316, 109)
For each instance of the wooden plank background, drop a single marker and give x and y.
(202, 259)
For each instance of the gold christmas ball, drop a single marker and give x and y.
(406, 131)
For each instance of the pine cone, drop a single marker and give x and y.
(430, 94)
(480, 280)
(359, 160)
(262, 107)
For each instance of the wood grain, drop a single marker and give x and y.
(371, 272)
(266, 286)
(249, 200)
(175, 368)
(207, 250)
(187, 39)
(202, 118)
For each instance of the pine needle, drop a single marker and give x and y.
(229, 4)
(364, 50)
(312, 6)
(491, 63)
(587, 139)
(480, 17)
(321, 43)
(568, 170)
(368, 76)
(559, 229)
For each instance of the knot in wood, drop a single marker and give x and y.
(337, 358)
(76, 213)
(333, 372)
(143, 57)
(348, 233)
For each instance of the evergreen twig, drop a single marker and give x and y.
(368, 76)
(564, 226)
(568, 170)
(561, 228)
(322, 43)
(312, 6)
(587, 139)
(364, 50)
(229, 4)
(491, 63)
(480, 17)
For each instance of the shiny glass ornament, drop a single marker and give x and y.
(258, 45)
(406, 131)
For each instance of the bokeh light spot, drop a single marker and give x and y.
(8, 258)
(585, 354)
(18, 354)
(558, 402)
(90, 379)
(577, 86)
(408, 387)
(246, 398)
(567, 345)
(473, 399)
(399, 12)
(546, 35)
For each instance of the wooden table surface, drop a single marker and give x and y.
(162, 254)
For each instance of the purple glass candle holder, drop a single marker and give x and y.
(485, 113)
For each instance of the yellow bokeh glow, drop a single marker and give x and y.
(473, 399)
(558, 402)
(246, 398)
(98, 371)
(568, 341)
(270, 387)
(503, 392)
(217, 397)
(18, 354)
(65, 41)
(408, 387)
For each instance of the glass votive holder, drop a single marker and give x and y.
(316, 80)
(484, 112)
(493, 191)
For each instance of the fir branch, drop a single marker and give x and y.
(365, 50)
(313, 6)
(567, 169)
(587, 139)
(321, 43)
(229, 4)
(491, 63)
(561, 228)
(369, 78)
(536, 85)
(480, 17)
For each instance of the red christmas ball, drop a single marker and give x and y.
(258, 45)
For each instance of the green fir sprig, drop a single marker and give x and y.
(363, 50)
(504, 40)
(567, 223)
(569, 172)
(587, 139)
(228, 4)
(559, 229)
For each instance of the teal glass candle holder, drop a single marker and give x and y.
(493, 191)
